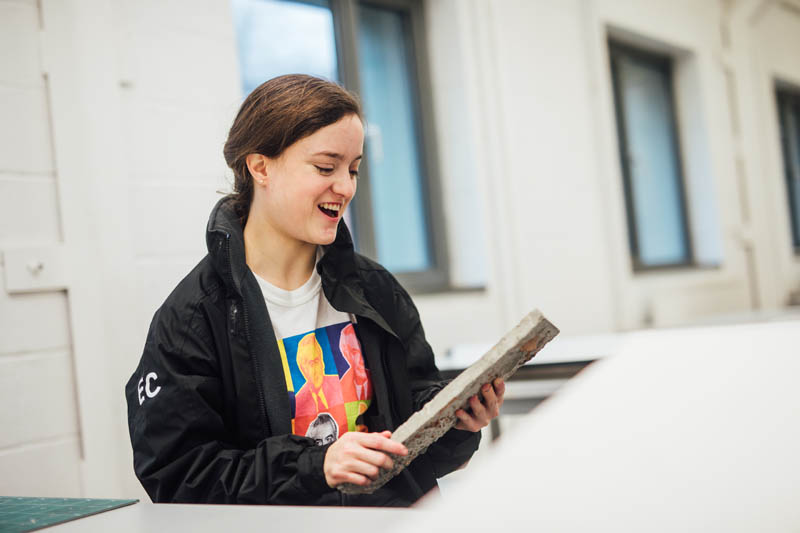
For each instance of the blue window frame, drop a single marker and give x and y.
(650, 158)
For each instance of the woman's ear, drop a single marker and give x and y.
(257, 165)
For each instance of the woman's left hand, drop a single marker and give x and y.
(483, 408)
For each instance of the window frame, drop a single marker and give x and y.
(785, 97)
(345, 17)
(664, 63)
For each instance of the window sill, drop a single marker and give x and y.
(642, 271)
(444, 291)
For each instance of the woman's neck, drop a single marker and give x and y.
(274, 256)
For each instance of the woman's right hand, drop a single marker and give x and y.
(358, 457)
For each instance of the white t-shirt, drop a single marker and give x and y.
(329, 385)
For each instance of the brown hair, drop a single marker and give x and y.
(278, 113)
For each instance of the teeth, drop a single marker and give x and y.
(332, 207)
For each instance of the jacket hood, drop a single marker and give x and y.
(225, 243)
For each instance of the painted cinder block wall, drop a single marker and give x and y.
(115, 112)
(40, 437)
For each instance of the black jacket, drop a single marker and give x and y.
(208, 411)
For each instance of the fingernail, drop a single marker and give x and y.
(486, 387)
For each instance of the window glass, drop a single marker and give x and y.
(396, 181)
(654, 174)
(789, 107)
(283, 37)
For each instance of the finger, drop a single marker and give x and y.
(460, 419)
(360, 480)
(466, 421)
(489, 397)
(373, 457)
(378, 441)
(479, 412)
(460, 415)
(499, 389)
(490, 401)
(363, 468)
(352, 477)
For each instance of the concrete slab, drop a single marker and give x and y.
(436, 417)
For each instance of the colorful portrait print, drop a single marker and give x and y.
(351, 350)
(355, 380)
(325, 374)
(324, 429)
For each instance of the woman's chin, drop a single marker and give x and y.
(326, 238)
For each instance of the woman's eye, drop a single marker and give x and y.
(324, 170)
(354, 174)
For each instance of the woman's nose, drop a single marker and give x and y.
(345, 184)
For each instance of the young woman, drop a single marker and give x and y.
(277, 369)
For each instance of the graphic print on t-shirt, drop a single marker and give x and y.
(328, 384)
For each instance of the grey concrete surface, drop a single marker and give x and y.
(437, 416)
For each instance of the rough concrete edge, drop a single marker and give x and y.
(441, 408)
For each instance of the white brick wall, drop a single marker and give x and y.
(25, 135)
(19, 43)
(39, 444)
(31, 322)
(181, 91)
(46, 468)
(29, 212)
(37, 398)
(171, 142)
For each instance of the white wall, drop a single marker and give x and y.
(180, 94)
(774, 44)
(537, 79)
(118, 115)
(38, 412)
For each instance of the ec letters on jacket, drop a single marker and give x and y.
(208, 412)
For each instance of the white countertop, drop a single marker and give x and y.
(151, 518)
(692, 429)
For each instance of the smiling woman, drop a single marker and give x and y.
(299, 198)
(285, 359)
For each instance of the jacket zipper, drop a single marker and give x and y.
(256, 368)
(253, 357)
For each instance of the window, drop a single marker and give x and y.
(789, 117)
(277, 38)
(650, 158)
(377, 49)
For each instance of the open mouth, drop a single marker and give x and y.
(330, 209)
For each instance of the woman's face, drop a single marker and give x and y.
(304, 192)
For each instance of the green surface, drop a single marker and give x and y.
(28, 514)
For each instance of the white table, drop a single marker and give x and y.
(682, 430)
(155, 518)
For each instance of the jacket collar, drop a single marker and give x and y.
(338, 267)
(225, 243)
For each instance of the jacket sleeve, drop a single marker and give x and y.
(183, 451)
(456, 446)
